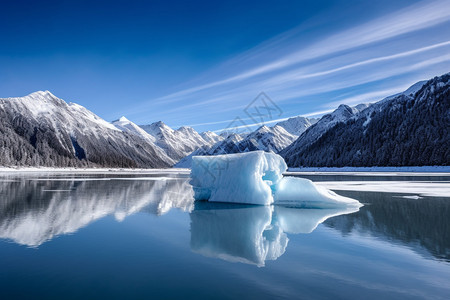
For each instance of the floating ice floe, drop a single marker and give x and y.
(256, 178)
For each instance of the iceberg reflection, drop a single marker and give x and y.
(251, 234)
(33, 211)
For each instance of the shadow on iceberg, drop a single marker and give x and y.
(251, 234)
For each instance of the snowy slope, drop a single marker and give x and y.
(297, 125)
(43, 130)
(409, 92)
(268, 139)
(211, 138)
(126, 125)
(264, 138)
(176, 143)
(342, 114)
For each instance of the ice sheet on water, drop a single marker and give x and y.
(257, 178)
(300, 192)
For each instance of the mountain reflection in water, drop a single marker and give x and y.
(35, 209)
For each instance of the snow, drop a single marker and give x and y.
(256, 178)
(264, 138)
(296, 125)
(126, 125)
(211, 138)
(28, 170)
(427, 169)
(417, 188)
(410, 91)
(179, 143)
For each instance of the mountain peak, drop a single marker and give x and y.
(158, 124)
(263, 128)
(39, 94)
(186, 128)
(122, 119)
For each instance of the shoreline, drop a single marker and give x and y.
(89, 170)
(438, 170)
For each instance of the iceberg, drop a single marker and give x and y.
(257, 178)
(238, 178)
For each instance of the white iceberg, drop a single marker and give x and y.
(238, 178)
(256, 178)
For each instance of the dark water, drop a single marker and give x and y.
(141, 236)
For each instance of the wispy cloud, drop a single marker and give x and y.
(366, 61)
(416, 17)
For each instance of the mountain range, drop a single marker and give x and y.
(409, 128)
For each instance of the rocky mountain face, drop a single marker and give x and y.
(43, 130)
(410, 129)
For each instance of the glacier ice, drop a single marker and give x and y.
(256, 178)
(239, 178)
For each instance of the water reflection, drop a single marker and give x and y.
(251, 234)
(418, 223)
(33, 211)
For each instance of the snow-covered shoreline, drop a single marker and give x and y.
(421, 169)
(440, 170)
(90, 170)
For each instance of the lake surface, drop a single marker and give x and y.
(90, 236)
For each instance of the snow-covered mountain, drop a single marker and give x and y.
(264, 138)
(211, 138)
(127, 126)
(409, 92)
(341, 114)
(177, 143)
(297, 125)
(43, 130)
(410, 129)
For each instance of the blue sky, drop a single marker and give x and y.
(200, 63)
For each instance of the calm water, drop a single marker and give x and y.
(141, 236)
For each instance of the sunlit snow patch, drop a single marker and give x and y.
(256, 178)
